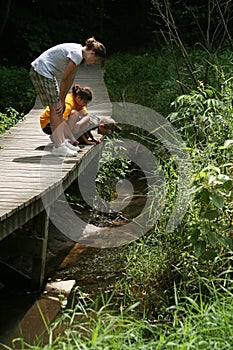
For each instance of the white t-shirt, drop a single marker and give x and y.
(53, 61)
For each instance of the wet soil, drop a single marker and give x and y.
(94, 269)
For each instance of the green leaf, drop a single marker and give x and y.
(217, 200)
(209, 92)
(226, 241)
(209, 254)
(211, 214)
(194, 235)
(205, 196)
(199, 248)
(227, 185)
(212, 238)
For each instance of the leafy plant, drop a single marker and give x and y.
(203, 116)
(9, 119)
(148, 79)
(212, 226)
(112, 168)
(16, 89)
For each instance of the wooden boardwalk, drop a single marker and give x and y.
(31, 178)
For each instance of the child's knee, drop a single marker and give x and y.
(74, 113)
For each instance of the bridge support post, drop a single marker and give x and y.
(41, 227)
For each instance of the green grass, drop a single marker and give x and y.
(196, 322)
(205, 324)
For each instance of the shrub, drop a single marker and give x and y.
(9, 119)
(16, 89)
(148, 80)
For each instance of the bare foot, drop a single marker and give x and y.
(76, 143)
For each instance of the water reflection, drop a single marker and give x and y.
(129, 197)
(96, 268)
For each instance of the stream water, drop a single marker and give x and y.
(93, 268)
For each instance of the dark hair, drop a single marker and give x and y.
(84, 92)
(108, 123)
(96, 46)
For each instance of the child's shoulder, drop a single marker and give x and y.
(69, 97)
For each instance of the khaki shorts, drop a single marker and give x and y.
(47, 89)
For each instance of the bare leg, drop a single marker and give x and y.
(57, 126)
(73, 119)
(77, 126)
(69, 134)
(81, 126)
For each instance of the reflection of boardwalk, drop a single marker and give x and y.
(31, 178)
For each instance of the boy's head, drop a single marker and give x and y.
(106, 126)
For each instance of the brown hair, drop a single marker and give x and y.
(96, 46)
(84, 92)
(108, 122)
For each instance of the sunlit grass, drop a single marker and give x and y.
(196, 322)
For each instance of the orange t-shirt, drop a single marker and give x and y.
(70, 104)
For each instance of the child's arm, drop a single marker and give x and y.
(93, 139)
(85, 139)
